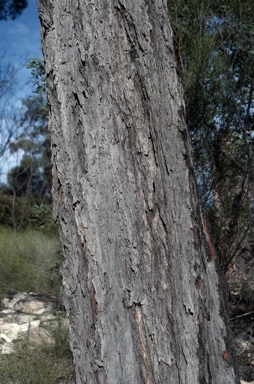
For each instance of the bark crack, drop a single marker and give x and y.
(142, 347)
(131, 32)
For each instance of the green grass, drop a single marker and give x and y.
(29, 261)
(49, 363)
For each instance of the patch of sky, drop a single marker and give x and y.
(19, 41)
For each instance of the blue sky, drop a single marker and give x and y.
(20, 40)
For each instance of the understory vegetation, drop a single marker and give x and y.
(213, 44)
(49, 363)
(30, 260)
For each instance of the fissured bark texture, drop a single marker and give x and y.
(143, 298)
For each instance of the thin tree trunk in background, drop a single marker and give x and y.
(142, 295)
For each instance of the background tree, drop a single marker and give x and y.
(29, 181)
(33, 174)
(213, 44)
(9, 114)
(10, 9)
(143, 299)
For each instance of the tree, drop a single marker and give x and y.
(213, 44)
(24, 131)
(10, 9)
(9, 114)
(33, 174)
(143, 296)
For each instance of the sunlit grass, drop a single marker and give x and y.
(29, 261)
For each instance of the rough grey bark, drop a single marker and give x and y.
(141, 290)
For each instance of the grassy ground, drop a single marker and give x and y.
(51, 363)
(29, 261)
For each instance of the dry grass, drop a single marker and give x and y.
(29, 261)
(50, 363)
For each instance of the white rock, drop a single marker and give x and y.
(6, 338)
(7, 348)
(9, 336)
(39, 336)
(35, 323)
(10, 303)
(10, 327)
(34, 306)
(22, 316)
(23, 328)
(246, 382)
(8, 311)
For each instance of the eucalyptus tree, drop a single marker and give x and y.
(9, 9)
(33, 173)
(143, 297)
(214, 50)
(9, 114)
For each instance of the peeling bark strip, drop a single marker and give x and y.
(142, 294)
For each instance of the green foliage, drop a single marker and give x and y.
(33, 174)
(25, 212)
(16, 212)
(214, 50)
(10, 9)
(48, 363)
(42, 214)
(38, 73)
(29, 178)
(29, 261)
(29, 181)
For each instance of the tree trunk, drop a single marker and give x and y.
(141, 290)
